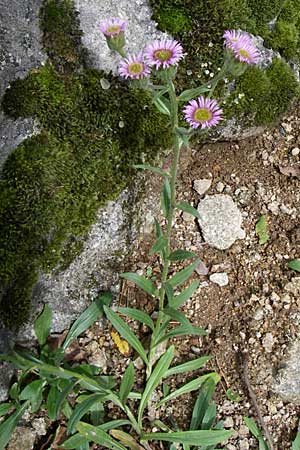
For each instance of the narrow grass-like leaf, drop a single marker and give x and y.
(166, 198)
(151, 169)
(158, 229)
(98, 436)
(74, 442)
(186, 207)
(163, 105)
(42, 325)
(127, 382)
(294, 264)
(81, 409)
(157, 375)
(209, 416)
(126, 439)
(189, 387)
(169, 291)
(181, 331)
(188, 366)
(188, 94)
(141, 282)
(34, 393)
(180, 299)
(183, 275)
(7, 427)
(4, 408)
(296, 442)
(198, 438)
(178, 316)
(87, 318)
(140, 316)
(180, 255)
(114, 424)
(126, 332)
(250, 423)
(159, 245)
(202, 403)
(51, 402)
(59, 399)
(161, 332)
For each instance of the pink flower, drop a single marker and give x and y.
(203, 112)
(163, 54)
(112, 27)
(134, 67)
(233, 36)
(241, 45)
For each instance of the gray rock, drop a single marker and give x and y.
(20, 52)
(221, 279)
(201, 186)
(293, 286)
(22, 438)
(287, 380)
(220, 221)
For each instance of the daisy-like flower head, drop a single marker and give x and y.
(232, 37)
(246, 52)
(112, 27)
(203, 112)
(163, 54)
(134, 67)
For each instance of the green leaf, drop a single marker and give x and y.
(34, 393)
(178, 316)
(179, 255)
(189, 387)
(7, 427)
(294, 264)
(186, 207)
(56, 398)
(261, 229)
(296, 442)
(98, 436)
(166, 389)
(87, 318)
(126, 439)
(178, 300)
(181, 331)
(184, 135)
(163, 105)
(81, 409)
(151, 169)
(198, 438)
(127, 383)
(183, 275)
(141, 282)
(250, 423)
(158, 245)
(158, 229)
(4, 408)
(188, 366)
(166, 198)
(188, 94)
(155, 378)
(135, 314)
(202, 404)
(233, 396)
(126, 333)
(51, 402)
(114, 424)
(74, 442)
(42, 325)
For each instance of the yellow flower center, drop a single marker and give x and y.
(244, 53)
(202, 115)
(163, 55)
(114, 29)
(135, 68)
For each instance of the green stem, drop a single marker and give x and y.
(170, 216)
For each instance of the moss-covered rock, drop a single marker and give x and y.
(258, 90)
(53, 184)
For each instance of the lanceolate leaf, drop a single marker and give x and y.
(81, 409)
(126, 332)
(183, 275)
(189, 387)
(151, 169)
(159, 245)
(180, 299)
(261, 229)
(140, 316)
(250, 423)
(163, 105)
(42, 325)
(182, 330)
(7, 427)
(188, 366)
(4, 408)
(98, 436)
(156, 377)
(179, 255)
(296, 442)
(186, 207)
(166, 198)
(178, 316)
(74, 442)
(198, 438)
(34, 393)
(127, 383)
(87, 318)
(188, 94)
(141, 282)
(294, 264)
(202, 403)
(126, 439)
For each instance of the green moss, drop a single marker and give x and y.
(285, 39)
(53, 184)
(265, 95)
(174, 20)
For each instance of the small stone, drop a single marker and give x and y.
(244, 444)
(201, 269)
(188, 217)
(221, 279)
(220, 186)
(274, 207)
(268, 342)
(40, 426)
(259, 314)
(138, 363)
(287, 379)
(295, 151)
(105, 84)
(228, 422)
(293, 286)
(201, 186)
(22, 438)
